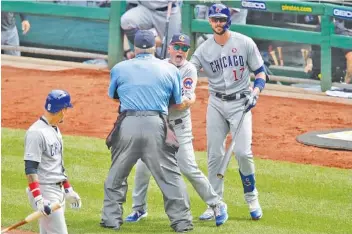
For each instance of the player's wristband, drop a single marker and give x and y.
(67, 186)
(259, 83)
(35, 190)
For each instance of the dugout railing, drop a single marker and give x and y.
(326, 38)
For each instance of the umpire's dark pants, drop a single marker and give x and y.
(143, 136)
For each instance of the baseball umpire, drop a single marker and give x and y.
(228, 58)
(145, 85)
(44, 165)
(181, 121)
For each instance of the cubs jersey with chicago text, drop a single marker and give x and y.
(189, 81)
(43, 144)
(228, 67)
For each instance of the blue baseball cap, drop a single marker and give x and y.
(144, 39)
(181, 38)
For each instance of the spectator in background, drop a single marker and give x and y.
(9, 33)
(341, 58)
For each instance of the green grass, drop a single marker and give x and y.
(295, 198)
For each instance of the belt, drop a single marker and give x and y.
(142, 113)
(164, 8)
(230, 97)
(133, 4)
(176, 121)
(58, 183)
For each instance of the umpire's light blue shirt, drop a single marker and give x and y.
(145, 83)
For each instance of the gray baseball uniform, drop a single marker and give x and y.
(9, 34)
(44, 144)
(228, 70)
(152, 14)
(181, 121)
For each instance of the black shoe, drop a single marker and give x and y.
(184, 230)
(117, 227)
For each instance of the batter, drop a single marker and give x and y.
(44, 165)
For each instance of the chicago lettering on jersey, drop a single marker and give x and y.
(227, 61)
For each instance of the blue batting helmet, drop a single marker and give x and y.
(57, 100)
(219, 10)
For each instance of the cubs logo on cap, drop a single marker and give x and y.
(180, 38)
(217, 10)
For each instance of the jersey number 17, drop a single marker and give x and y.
(236, 75)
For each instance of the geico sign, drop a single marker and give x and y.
(254, 5)
(343, 13)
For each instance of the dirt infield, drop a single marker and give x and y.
(276, 120)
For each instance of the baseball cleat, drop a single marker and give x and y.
(255, 210)
(220, 211)
(207, 215)
(257, 214)
(135, 216)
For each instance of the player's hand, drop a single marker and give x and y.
(73, 198)
(251, 101)
(25, 26)
(43, 205)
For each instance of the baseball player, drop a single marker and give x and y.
(44, 165)
(228, 58)
(142, 131)
(9, 34)
(181, 121)
(151, 14)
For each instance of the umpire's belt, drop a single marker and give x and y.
(230, 97)
(142, 113)
(165, 8)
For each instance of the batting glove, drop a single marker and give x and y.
(43, 205)
(250, 102)
(72, 197)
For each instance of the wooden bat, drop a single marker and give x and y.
(166, 32)
(279, 50)
(273, 55)
(226, 160)
(32, 217)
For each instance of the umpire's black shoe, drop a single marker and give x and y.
(117, 227)
(186, 229)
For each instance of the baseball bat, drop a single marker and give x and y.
(273, 55)
(30, 218)
(166, 32)
(226, 160)
(279, 50)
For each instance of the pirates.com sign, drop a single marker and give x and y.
(297, 8)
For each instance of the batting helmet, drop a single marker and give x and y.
(219, 10)
(57, 100)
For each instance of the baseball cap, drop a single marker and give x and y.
(144, 39)
(180, 38)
